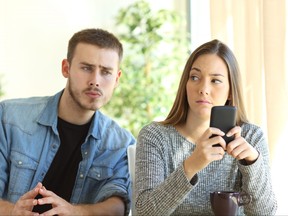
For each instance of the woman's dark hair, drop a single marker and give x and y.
(179, 110)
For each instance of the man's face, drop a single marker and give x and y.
(92, 76)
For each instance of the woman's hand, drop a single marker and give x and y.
(205, 151)
(239, 148)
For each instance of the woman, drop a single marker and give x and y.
(177, 162)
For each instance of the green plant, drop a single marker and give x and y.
(155, 51)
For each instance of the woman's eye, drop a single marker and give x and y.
(217, 81)
(194, 77)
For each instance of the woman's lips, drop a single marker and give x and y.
(203, 102)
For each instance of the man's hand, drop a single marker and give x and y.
(26, 202)
(111, 206)
(59, 205)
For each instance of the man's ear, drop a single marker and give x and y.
(65, 68)
(119, 73)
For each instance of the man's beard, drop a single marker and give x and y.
(76, 98)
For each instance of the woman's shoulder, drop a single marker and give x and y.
(156, 129)
(252, 131)
(246, 127)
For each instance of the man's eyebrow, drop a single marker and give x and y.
(105, 67)
(87, 64)
(94, 66)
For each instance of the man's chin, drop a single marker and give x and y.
(94, 107)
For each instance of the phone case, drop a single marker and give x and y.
(224, 118)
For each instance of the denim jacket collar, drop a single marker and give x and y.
(49, 116)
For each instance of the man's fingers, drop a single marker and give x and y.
(32, 193)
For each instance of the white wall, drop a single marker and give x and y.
(34, 35)
(199, 26)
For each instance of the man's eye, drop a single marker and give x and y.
(106, 72)
(86, 68)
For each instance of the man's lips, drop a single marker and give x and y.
(94, 94)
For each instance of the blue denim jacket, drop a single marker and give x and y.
(29, 141)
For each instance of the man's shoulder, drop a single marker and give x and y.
(22, 110)
(30, 103)
(22, 102)
(109, 127)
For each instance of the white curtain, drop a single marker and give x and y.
(256, 30)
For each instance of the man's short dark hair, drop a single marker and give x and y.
(97, 37)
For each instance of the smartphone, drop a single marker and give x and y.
(224, 118)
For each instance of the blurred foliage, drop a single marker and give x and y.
(155, 51)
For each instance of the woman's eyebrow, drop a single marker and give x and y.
(211, 74)
(197, 69)
(216, 74)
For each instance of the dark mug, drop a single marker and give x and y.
(228, 202)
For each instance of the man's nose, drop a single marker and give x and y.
(95, 79)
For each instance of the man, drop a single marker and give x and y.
(59, 155)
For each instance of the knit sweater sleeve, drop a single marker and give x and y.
(256, 178)
(156, 194)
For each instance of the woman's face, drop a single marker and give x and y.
(207, 86)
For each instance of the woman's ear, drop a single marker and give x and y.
(228, 103)
(229, 100)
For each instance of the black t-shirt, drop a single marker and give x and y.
(61, 175)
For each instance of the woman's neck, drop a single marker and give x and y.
(192, 129)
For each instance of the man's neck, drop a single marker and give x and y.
(72, 113)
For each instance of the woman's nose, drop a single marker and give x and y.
(203, 92)
(204, 89)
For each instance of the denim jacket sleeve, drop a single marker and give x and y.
(103, 172)
(3, 156)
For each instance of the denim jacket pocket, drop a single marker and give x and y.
(100, 173)
(23, 169)
(96, 181)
